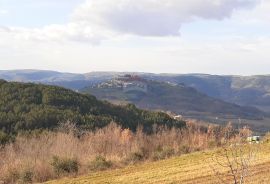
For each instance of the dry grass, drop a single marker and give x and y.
(194, 168)
(29, 158)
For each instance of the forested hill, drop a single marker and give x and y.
(26, 106)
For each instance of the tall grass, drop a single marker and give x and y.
(30, 158)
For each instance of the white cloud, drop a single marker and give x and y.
(154, 17)
(3, 12)
(126, 26)
(177, 56)
(54, 32)
(95, 20)
(258, 14)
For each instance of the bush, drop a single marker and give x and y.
(100, 163)
(212, 144)
(4, 138)
(65, 165)
(134, 157)
(184, 149)
(26, 176)
(161, 154)
(266, 138)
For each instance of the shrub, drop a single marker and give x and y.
(37, 148)
(212, 143)
(100, 163)
(161, 154)
(134, 157)
(184, 149)
(266, 138)
(64, 165)
(4, 138)
(26, 176)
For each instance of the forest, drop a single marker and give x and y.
(28, 106)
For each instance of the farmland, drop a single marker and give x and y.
(190, 168)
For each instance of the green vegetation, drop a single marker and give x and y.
(26, 176)
(242, 90)
(135, 157)
(35, 106)
(250, 91)
(100, 163)
(163, 153)
(64, 165)
(4, 138)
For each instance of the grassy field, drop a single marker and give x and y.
(192, 168)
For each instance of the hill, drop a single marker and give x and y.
(38, 76)
(27, 106)
(186, 169)
(242, 90)
(180, 99)
(68, 80)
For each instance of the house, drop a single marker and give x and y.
(254, 139)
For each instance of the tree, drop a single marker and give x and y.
(232, 162)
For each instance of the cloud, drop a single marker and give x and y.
(154, 17)
(96, 20)
(57, 33)
(4, 29)
(59, 47)
(260, 13)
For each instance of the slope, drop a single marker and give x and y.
(242, 90)
(26, 106)
(186, 169)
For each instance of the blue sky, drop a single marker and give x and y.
(161, 36)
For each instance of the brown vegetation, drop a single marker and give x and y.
(68, 152)
(236, 157)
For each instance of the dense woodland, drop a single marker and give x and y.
(26, 106)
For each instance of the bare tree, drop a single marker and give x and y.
(232, 162)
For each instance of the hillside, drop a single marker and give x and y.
(242, 90)
(166, 96)
(26, 106)
(187, 169)
(38, 76)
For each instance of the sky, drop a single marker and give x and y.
(158, 36)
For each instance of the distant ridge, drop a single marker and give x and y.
(180, 99)
(242, 90)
